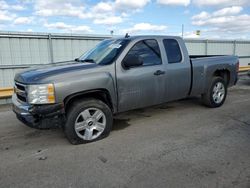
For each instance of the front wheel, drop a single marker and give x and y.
(87, 121)
(216, 93)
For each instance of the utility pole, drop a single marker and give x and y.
(112, 33)
(182, 30)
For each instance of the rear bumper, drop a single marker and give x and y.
(38, 116)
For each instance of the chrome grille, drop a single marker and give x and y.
(21, 92)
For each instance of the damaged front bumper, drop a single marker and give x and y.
(39, 116)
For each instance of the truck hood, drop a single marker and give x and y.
(36, 75)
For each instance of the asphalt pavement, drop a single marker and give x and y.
(178, 144)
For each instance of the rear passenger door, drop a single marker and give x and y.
(178, 69)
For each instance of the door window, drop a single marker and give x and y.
(148, 51)
(173, 50)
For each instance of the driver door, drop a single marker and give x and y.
(143, 85)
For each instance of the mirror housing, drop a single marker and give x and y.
(132, 61)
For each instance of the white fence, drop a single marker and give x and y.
(22, 50)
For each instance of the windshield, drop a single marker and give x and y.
(105, 52)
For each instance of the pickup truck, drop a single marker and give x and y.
(118, 75)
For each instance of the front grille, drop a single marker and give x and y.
(21, 92)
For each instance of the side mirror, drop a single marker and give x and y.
(132, 61)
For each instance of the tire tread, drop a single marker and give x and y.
(72, 112)
(207, 97)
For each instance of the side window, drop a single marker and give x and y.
(148, 50)
(173, 50)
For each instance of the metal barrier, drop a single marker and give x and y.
(6, 92)
(245, 68)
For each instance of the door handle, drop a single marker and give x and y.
(159, 72)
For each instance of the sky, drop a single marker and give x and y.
(218, 19)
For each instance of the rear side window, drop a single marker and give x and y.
(148, 50)
(173, 50)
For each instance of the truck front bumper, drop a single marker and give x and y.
(39, 116)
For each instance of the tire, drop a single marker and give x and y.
(87, 121)
(216, 93)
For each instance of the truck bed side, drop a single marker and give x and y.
(204, 68)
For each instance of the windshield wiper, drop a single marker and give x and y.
(85, 60)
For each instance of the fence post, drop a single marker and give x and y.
(51, 49)
(206, 48)
(234, 47)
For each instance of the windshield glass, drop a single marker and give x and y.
(105, 52)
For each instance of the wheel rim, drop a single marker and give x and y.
(90, 124)
(218, 92)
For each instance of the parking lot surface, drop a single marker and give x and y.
(178, 144)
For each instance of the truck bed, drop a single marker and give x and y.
(204, 65)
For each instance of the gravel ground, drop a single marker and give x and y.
(178, 144)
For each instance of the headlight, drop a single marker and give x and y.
(41, 94)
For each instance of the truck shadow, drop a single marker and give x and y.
(122, 120)
(120, 124)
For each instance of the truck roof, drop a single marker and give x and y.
(135, 37)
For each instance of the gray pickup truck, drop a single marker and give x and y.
(118, 75)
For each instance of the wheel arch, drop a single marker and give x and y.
(100, 94)
(223, 73)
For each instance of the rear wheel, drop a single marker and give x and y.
(87, 121)
(216, 93)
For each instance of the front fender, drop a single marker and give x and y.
(91, 81)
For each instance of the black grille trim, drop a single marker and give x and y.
(21, 92)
